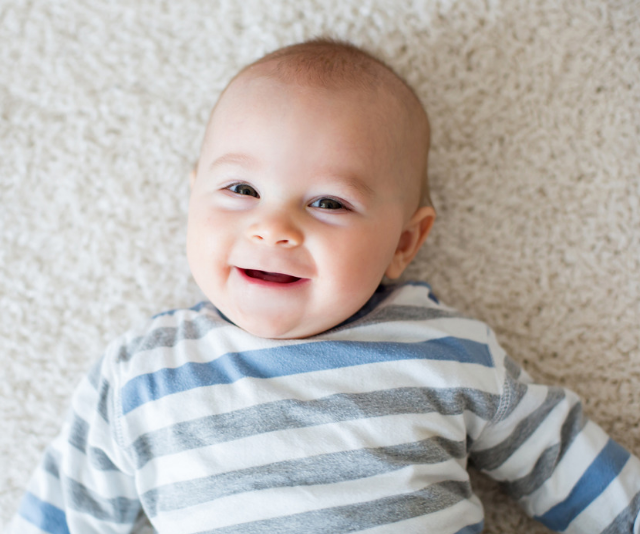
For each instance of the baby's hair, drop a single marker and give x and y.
(331, 64)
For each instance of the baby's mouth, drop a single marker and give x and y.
(277, 278)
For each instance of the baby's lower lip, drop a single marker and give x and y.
(269, 278)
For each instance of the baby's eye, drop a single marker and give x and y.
(243, 189)
(327, 204)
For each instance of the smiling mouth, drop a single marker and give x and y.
(277, 278)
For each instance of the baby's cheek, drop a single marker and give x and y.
(359, 277)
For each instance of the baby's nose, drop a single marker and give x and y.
(276, 230)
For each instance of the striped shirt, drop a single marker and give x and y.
(195, 426)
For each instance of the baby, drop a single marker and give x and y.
(304, 396)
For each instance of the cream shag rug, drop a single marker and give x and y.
(535, 169)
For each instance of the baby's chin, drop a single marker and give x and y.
(279, 330)
(275, 326)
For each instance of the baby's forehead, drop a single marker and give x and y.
(360, 116)
(383, 99)
(373, 107)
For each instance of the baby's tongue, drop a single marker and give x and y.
(271, 277)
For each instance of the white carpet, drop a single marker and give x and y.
(535, 169)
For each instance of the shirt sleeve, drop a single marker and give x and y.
(563, 469)
(84, 483)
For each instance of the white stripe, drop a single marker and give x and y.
(497, 352)
(84, 401)
(611, 502)
(411, 295)
(277, 502)
(22, 526)
(248, 392)
(264, 449)
(79, 522)
(43, 481)
(412, 331)
(580, 455)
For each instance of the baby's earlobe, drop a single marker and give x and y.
(412, 238)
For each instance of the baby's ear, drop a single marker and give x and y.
(192, 175)
(413, 236)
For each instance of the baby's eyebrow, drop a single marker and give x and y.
(352, 181)
(234, 158)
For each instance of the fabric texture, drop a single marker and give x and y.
(534, 170)
(202, 427)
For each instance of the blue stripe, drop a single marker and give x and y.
(43, 515)
(294, 359)
(594, 481)
(472, 529)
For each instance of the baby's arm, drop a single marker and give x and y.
(562, 468)
(83, 484)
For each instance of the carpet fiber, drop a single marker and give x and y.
(535, 171)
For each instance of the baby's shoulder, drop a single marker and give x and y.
(411, 318)
(159, 340)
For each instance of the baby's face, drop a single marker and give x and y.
(296, 208)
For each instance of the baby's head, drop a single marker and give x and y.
(310, 187)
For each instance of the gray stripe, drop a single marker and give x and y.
(100, 461)
(103, 400)
(512, 368)
(357, 517)
(513, 390)
(548, 460)
(118, 510)
(290, 414)
(489, 459)
(398, 312)
(78, 433)
(51, 462)
(169, 336)
(393, 313)
(102, 388)
(626, 519)
(408, 313)
(322, 469)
